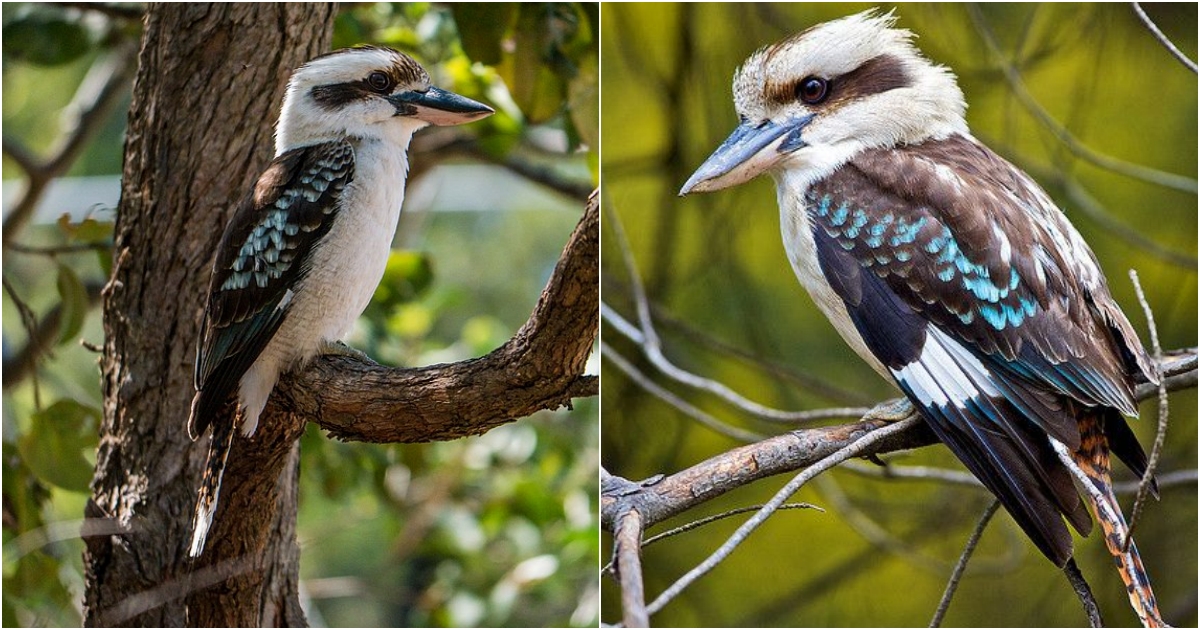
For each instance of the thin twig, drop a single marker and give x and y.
(653, 352)
(114, 74)
(629, 570)
(723, 515)
(1077, 148)
(607, 353)
(961, 566)
(1162, 39)
(29, 320)
(1160, 436)
(690, 525)
(1090, 607)
(965, 479)
(855, 448)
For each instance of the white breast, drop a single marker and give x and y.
(349, 262)
(802, 253)
(345, 269)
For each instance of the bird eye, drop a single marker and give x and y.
(379, 81)
(812, 90)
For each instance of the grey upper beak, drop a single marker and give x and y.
(745, 154)
(439, 107)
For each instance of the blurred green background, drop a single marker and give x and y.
(728, 307)
(498, 530)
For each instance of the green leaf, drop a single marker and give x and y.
(583, 101)
(23, 495)
(92, 231)
(45, 39)
(88, 230)
(55, 445)
(74, 304)
(407, 275)
(482, 27)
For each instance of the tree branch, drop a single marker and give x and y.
(667, 496)
(541, 367)
(20, 364)
(1163, 39)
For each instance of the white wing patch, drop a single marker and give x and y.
(946, 373)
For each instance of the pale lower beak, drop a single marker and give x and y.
(439, 107)
(746, 153)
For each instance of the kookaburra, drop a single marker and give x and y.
(308, 244)
(948, 270)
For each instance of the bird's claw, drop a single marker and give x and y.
(891, 411)
(340, 349)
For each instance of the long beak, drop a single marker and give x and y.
(746, 153)
(439, 107)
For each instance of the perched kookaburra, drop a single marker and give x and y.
(948, 270)
(308, 244)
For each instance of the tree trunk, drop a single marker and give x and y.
(208, 88)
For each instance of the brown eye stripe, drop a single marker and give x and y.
(879, 74)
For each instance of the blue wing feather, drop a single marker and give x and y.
(972, 308)
(263, 253)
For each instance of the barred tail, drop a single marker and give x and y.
(210, 483)
(1092, 459)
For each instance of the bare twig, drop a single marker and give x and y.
(685, 489)
(961, 566)
(786, 374)
(652, 350)
(29, 320)
(646, 336)
(612, 356)
(959, 478)
(629, 569)
(856, 448)
(1077, 148)
(690, 525)
(1160, 436)
(20, 364)
(115, 73)
(1162, 39)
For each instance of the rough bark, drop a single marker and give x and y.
(209, 83)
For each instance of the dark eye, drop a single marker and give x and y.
(812, 90)
(379, 81)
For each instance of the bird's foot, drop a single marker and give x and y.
(891, 411)
(340, 349)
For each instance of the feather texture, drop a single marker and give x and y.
(261, 257)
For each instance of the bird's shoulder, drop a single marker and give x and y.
(292, 204)
(264, 250)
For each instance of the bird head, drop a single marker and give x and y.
(812, 101)
(367, 92)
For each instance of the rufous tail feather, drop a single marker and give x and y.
(1090, 465)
